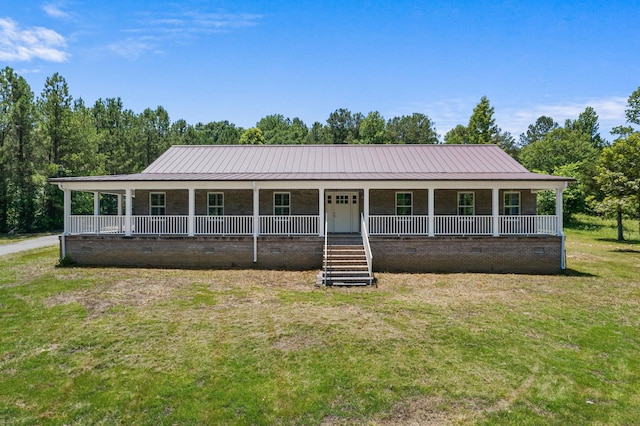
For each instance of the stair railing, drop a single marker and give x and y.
(326, 253)
(367, 247)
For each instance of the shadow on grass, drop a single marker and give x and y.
(575, 273)
(615, 241)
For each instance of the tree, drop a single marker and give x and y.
(412, 129)
(587, 123)
(22, 157)
(538, 130)
(482, 127)
(344, 127)
(280, 130)
(372, 129)
(633, 108)
(457, 135)
(154, 126)
(619, 175)
(252, 136)
(319, 134)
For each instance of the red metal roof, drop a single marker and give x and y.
(331, 162)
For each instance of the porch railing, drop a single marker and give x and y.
(463, 225)
(223, 225)
(308, 225)
(527, 225)
(165, 225)
(398, 225)
(289, 225)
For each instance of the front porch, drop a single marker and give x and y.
(305, 225)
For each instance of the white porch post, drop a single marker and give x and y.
(128, 209)
(119, 204)
(321, 212)
(67, 211)
(256, 221)
(96, 210)
(559, 213)
(366, 207)
(431, 202)
(96, 203)
(495, 210)
(192, 212)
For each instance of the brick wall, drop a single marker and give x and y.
(404, 254)
(197, 252)
(467, 254)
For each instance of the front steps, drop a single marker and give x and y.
(346, 263)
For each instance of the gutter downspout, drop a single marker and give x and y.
(256, 220)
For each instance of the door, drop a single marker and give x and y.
(343, 210)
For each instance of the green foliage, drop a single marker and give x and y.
(538, 130)
(373, 129)
(633, 108)
(412, 129)
(482, 127)
(457, 136)
(619, 175)
(252, 136)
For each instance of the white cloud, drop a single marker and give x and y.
(55, 11)
(17, 44)
(132, 48)
(160, 30)
(610, 114)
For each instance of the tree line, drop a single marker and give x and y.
(55, 135)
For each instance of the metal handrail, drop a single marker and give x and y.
(367, 247)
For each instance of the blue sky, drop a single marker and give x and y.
(241, 60)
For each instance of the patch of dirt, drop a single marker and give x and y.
(134, 291)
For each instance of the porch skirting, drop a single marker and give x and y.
(504, 254)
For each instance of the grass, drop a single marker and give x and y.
(137, 346)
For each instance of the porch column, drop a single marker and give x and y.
(366, 207)
(431, 202)
(256, 221)
(495, 210)
(96, 211)
(128, 209)
(67, 211)
(119, 204)
(192, 212)
(96, 203)
(321, 212)
(559, 213)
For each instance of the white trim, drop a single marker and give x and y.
(495, 211)
(163, 206)
(504, 203)
(458, 205)
(288, 206)
(192, 212)
(312, 184)
(128, 210)
(215, 206)
(410, 205)
(431, 203)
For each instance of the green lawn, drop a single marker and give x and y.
(137, 346)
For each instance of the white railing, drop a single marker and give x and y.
(223, 225)
(166, 225)
(289, 225)
(527, 225)
(398, 225)
(89, 224)
(325, 254)
(463, 225)
(367, 246)
(308, 225)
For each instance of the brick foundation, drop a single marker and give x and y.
(538, 254)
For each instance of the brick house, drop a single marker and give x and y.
(410, 207)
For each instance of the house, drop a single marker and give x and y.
(411, 208)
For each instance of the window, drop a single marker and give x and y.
(511, 204)
(157, 203)
(466, 203)
(404, 203)
(282, 203)
(215, 203)
(342, 199)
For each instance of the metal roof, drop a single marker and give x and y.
(330, 162)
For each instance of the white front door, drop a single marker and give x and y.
(343, 209)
